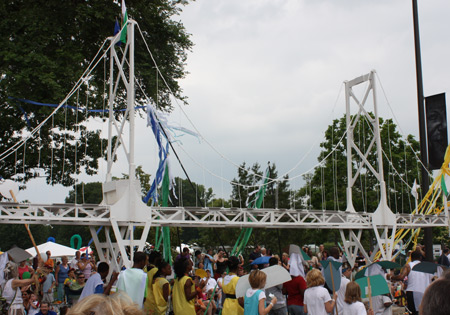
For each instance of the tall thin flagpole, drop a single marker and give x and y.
(428, 232)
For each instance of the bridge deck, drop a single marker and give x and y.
(96, 215)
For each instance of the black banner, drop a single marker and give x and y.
(436, 112)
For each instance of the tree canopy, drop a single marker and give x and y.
(46, 47)
(324, 188)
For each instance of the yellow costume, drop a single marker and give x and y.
(231, 305)
(149, 304)
(181, 306)
(160, 302)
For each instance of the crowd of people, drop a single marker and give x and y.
(205, 283)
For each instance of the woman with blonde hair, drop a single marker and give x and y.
(255, 297)
(353, 304)
(99, 304)
(317, 300)
(61, 274)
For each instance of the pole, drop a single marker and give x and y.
(369, 289)
(28, 230)
(330, 265)
(428, 232)
(110, 111)
(131, 100)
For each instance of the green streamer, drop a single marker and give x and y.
(167, 254)
(247, 232)
(212, 295)
(158, 238)
(444, 186)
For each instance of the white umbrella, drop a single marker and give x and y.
(275, 275)
(57, 250)
(18, 254)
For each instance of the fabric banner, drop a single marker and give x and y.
(436, 130)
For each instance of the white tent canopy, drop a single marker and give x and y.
(57, 250)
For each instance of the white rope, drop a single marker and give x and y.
(390, 162)
(400, 128)
(64, 143)
(77, 85)
(15, 162)
(76, 146)
(52, 137)
(363, 146)
(201, 135)
(406, 177)
(39, 144)
(270, 180)
(322, 180)
(24, 154)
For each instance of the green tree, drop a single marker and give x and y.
(45, 49)
(86, 193)
(143, 177)
(187, 195)
(277, 191)
(247, 176)
(16, 234)
(326, 189)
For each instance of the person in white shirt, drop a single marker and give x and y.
(210, 282)
(417, 282)
(382, 305)
(133, 281)
(346, 273)
(94, 285)
(74, 262)
(317, 300)
(353, 304)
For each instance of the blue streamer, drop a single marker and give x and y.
(68, 106)
(152, 121)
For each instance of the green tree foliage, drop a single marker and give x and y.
(143, 177)
(46, 46)
(247, 176)
(16, 234)
(277, 193)
(86, 193)
(326, 188)
(188, 195)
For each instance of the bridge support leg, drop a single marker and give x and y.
(385, 242)
(352, 245)
(119, 253)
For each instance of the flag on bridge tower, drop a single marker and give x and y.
(123, 34)
(414, 190)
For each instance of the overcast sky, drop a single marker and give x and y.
(265, 80)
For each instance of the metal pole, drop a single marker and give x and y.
(428, 232)
(350, 207)
(110, 112)
(130, 99)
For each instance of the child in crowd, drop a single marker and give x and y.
(34, 305)
(255, 297)
(353, 304)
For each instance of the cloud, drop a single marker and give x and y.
(266, 76)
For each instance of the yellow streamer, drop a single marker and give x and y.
(425, 207)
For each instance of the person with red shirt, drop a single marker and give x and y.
(295, 290)
(23, 267)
